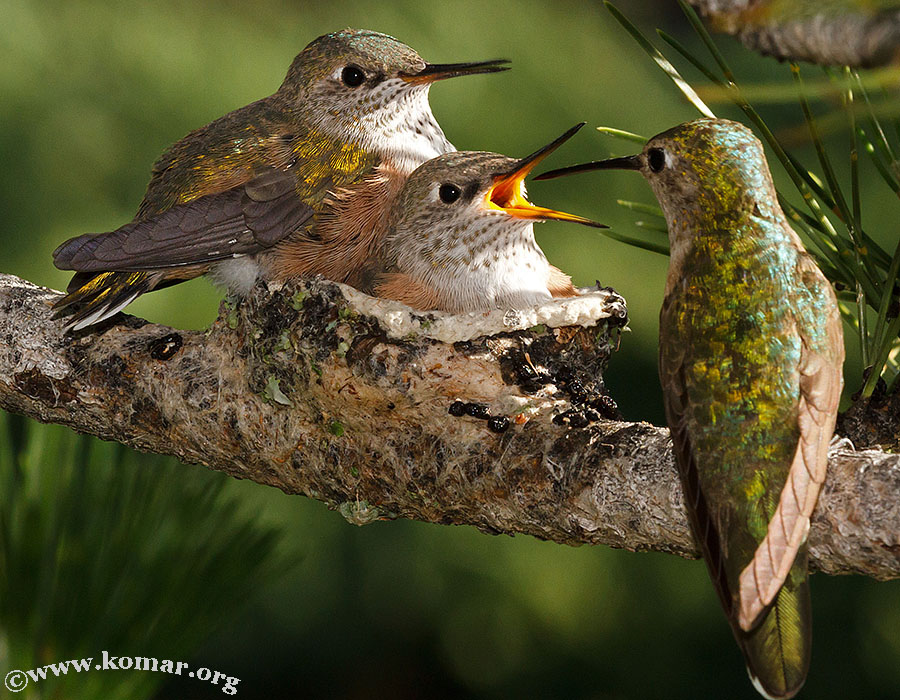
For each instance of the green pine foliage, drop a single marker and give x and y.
(102, 548)
(822, 209)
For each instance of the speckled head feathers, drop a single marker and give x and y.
(372, 90)
(707, 162)
(461, 193)
(462, 229)
(376, 54)
(446, 236)
(707, 168)
(443, 205)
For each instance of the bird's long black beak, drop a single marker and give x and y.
(528, 163)
(624, 163)
(441, 71)
(506, 192)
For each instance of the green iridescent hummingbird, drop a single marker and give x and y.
(299, 182)
(750, 361)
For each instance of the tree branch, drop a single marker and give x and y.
(322, 391)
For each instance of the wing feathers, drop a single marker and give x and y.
(269, 185)
(242, 220)
(820, 390)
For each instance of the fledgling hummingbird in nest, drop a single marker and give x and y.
(750, 361)
(295, 183)
(460, 237)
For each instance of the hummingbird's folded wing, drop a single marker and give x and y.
(242, 220)
(821, 381)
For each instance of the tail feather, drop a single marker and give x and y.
(79, 280)
(102, 296)
(777, 650)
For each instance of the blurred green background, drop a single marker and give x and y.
(91, 93)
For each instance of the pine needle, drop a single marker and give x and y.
(847, 254)
(625, 135)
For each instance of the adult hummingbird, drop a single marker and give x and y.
(295, 183)
(460, 237)
(750, 363)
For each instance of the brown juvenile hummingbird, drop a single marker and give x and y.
(296, 183)
(460, 237)
(750, 356)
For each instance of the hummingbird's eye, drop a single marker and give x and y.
(449, 193)
(352, 76)
(656, 159)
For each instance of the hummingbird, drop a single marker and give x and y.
(750, 357)
(460, 237)
(295, 183)
(856, 33)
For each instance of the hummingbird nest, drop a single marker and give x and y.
(502, 364)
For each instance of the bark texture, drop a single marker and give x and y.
(319, 391)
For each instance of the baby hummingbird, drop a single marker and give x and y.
(750, 357)
(460, 237)
(295, 183)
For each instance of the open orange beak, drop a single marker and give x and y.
(433, 72)
(506, 194)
